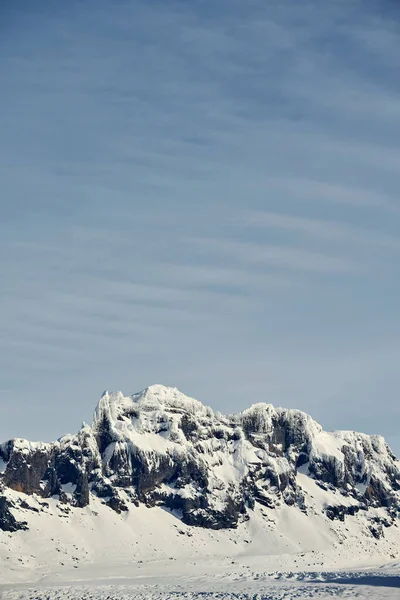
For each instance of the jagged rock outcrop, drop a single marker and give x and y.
(7, 520)
(160, 447)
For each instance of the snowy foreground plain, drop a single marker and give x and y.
(150, 554)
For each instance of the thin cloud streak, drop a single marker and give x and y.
(331, 230)
(283, 257)
(302, 188)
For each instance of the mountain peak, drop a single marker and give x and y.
(169, 398)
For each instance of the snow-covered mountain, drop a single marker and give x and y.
(267, 473)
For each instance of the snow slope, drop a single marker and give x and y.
(162, 491)
(149, 551)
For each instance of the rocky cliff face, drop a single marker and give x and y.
(160, 447)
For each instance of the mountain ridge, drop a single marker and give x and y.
(161, 448)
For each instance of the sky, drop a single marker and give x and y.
(203, 194)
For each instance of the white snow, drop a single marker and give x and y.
(160, 396)
(281, 539)
(278, 553)
(149, 553)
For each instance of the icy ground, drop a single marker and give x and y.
(194, 582)
(150, 554)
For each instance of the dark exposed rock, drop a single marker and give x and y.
(376, 531)
(340, 512)
(101, 488)
(68, 465)
(378, 494)
(25, 469)
(51, 483)
(7, 520)
(211, 519)
(27, 506)
(81, 494)
(117, 504)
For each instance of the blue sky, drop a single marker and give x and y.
(202, 194)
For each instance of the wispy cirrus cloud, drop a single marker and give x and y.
(284, 257)
(302, 189)
(203, 194)
(335, 231)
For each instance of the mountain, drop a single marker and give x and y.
(272, 473)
